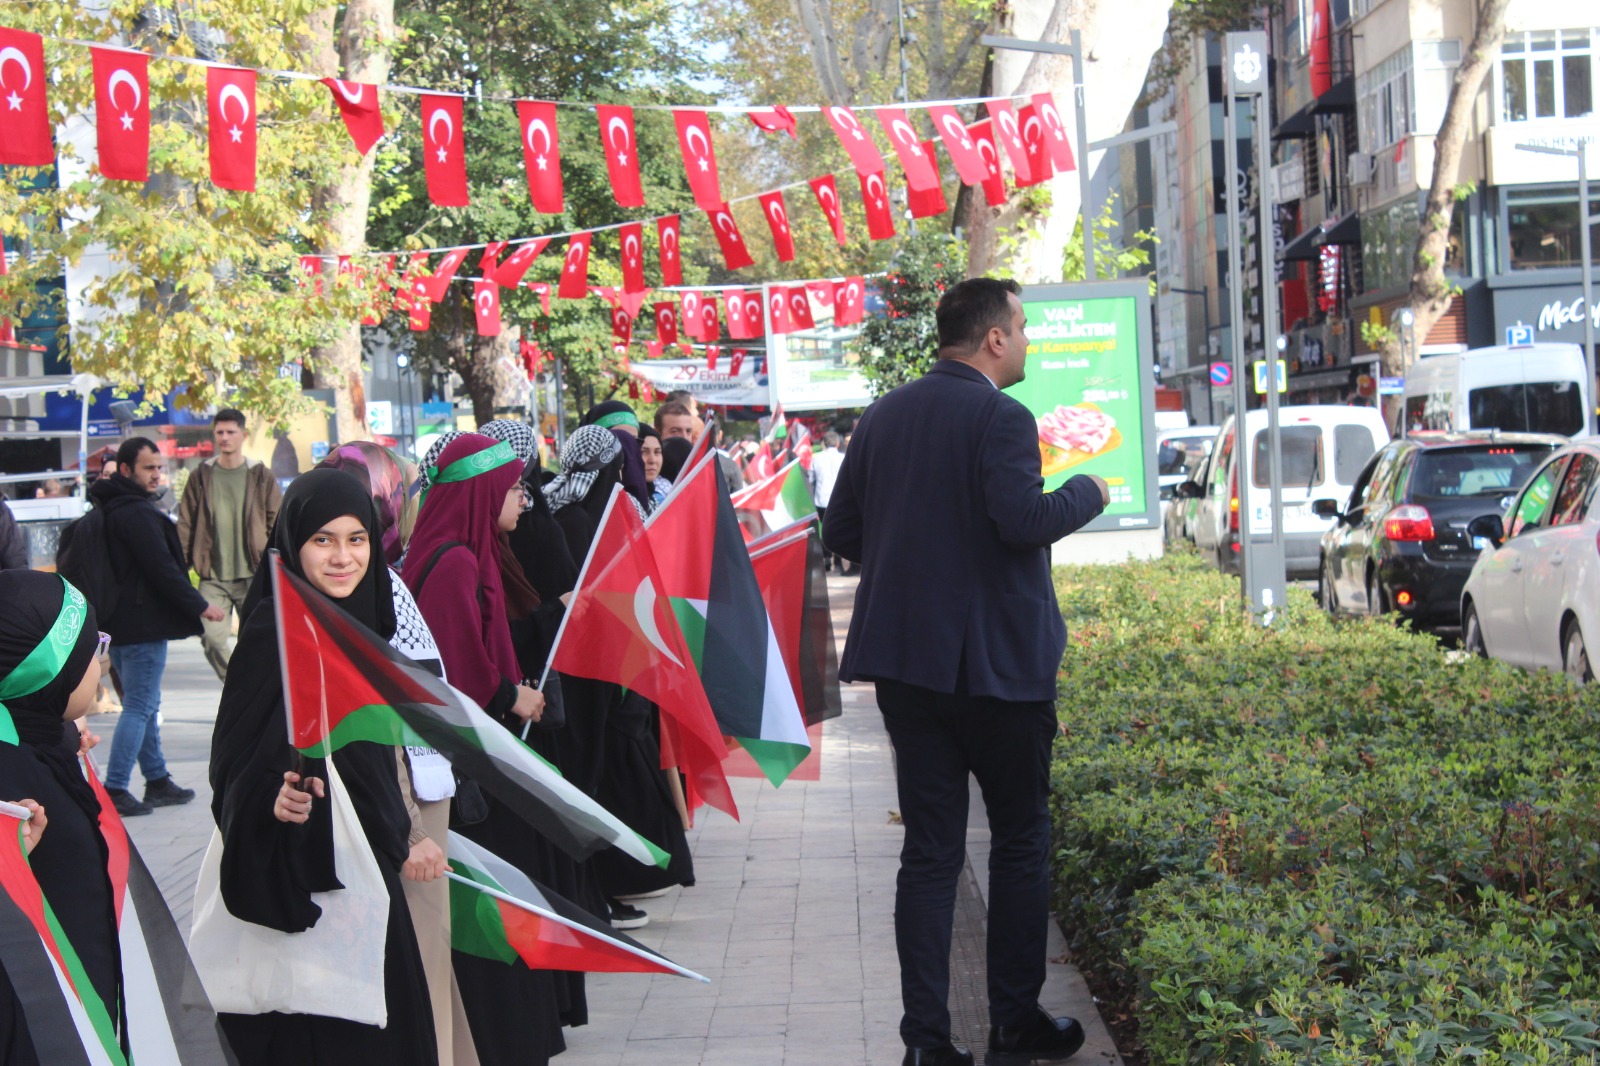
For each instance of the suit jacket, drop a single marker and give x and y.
(941, 501)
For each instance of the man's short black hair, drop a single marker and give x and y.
(969, 309)
(229, 414)
(128, 453)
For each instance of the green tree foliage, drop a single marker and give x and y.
(899, 345)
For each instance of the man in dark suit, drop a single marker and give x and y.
(941, 501)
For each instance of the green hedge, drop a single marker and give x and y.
(1324, 842)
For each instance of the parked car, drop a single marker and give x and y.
(1533, 598)
(1324, 449)
(1525, 388)
(1177, 520)
(1399, 542)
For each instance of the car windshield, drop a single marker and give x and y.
(1181, 453)
(1302, 458)
(1489, 470)
(1535, 407)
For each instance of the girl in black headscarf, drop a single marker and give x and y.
(277, 839)
(49, 667)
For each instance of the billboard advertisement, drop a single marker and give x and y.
(1091, 387)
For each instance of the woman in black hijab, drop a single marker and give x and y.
(278, 840)
(674, 453)
(49, 667)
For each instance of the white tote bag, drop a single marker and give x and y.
(334, 969)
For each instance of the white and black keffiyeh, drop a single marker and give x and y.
(431, 460)
(520, 435)
(586, 453)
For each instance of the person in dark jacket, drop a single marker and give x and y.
(962, 634)
(13, 541)
(155, 604)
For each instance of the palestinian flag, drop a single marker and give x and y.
(498, 912)
(706, 573)
(618, 627)
(67, 1020)
(343, 683)
(781, 500)
(778, 427)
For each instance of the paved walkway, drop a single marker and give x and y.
(791, 915)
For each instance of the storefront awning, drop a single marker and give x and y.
(1322, 379)
(1301, 247)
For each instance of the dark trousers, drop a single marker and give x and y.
(938, 739)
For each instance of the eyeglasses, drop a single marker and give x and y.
(102, 649)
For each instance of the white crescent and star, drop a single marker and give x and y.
(485, 302)
(777, 304)
(122, 77)
(882, 190)
(1008, 126)
(852, 292)
(906, 136)
(644, 612)
(1030, 126)
(798, 302)
(612, 127)
(669, 241)
(952, 125)
(843, 117)
(691, 304)
(731, 229)
(752, 306)
(780, 217)
(1053, 120)
(991, 156)
(9, 54)
(449, 135)
(361, 90)
(538, 126)
(829, 198)
(689, 135)
(630, 239)
(233, 92)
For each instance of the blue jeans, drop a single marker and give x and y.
(138, 732)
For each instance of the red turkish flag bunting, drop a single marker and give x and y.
(712, 351)
(821, 292)
(419, 307)
(575, 268)
(621, 330)
(666, 323)
(633, 257)
(736, 362)
(864, 155)
(779, 120)
(693, 324)
(699, 158)
(752, 315)
(1056, 143)
(1039, 164)
(489, 262)
(444, 158)
(827, 193)
(543, 290)
(231, 127)
(969, 164)
(778, 311)
(926, 203)
(777, 212)
(875, 198)
(668, 228)
(799, 307)
(541, 155)
(122, 113)
(358, 106)
(710, 325)
(517, 263)
(1009, 136)
(311, 273)
(439, 284)
(622, 154)
(486, 307)
(994, 186)
(738, 328)
(849, 301)
(734, 252)
(920, 173)
(26, 117)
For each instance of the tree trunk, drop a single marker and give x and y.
(1429, 296)
(361, 53)
(816, 16)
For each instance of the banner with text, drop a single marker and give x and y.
(737, 383)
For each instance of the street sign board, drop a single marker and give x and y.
(1221, 375)
(1246, 66)
(1260, 368)
(1391, 386)
(1518, 335)
(380, 416)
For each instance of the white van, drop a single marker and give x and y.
(1530, 388)
(1325, 447)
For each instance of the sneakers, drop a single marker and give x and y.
(626, 917)
(127, 804)
(162, 792)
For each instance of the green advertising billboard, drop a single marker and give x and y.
(1091, 386)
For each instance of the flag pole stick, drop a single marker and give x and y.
(531, 908)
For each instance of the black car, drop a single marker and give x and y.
(1400, 543)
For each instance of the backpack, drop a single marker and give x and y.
(83, 557)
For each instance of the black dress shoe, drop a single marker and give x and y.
(1040, 1039)
(949, 1055)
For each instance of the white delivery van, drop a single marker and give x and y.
(1325, 447)
(1530, 388)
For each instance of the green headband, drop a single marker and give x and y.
(618, 418)
(470, 466)
(43, 664)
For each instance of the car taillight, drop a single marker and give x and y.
(1408, 522)
(1233, 503)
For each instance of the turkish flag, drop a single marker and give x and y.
(358, 106)
(541, 155)
(849, 301)
(621, 330)
(734, 253)
(311, 273)
(231, 126)
(753, 320)
(710, 325)
(699, 158)
(439, 284)
(575, 268)
(511, 271)
(122, 113)
(486, 307)
(444, 156)
(406, 284)
(419, 308)
(543, 291)
(778, 310)
(692, 322)
(633, 257)
(666, 323)
(994, 186)
(827, 193)
(920, 173)
(668, 228)
(26, 116)
(875, 198)
(1057, 146)
(864, 155)
(622, 154)
(738, 329)
(779, 120)
(926, 203)
(800, 307)
(777, 212)
(1009, 136)
(736, 362)
(489, 262)
(712, 351)
(532, 358)
(632, 302)
(343, 267)
(821, 292)
(1039, 161)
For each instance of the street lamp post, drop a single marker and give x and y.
(1205, 313)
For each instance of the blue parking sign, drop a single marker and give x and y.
(1518, 335)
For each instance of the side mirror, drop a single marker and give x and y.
(1326, 508)
(1486, 529)
(1187, 490)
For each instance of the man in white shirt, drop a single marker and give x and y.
(824, 470)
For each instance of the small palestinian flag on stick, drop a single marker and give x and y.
(781, 500)
(343, 683)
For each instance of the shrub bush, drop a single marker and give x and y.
(1321, 842)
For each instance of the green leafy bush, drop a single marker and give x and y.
(1321, 842)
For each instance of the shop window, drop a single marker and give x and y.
(1542, 228)
(1546, 74)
